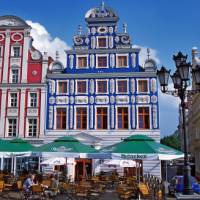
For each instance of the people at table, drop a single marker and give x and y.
(30, 181)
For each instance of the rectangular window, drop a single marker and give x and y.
(143, 118)
(102, 61)
(16, 51)
(82, 62)
(61, 118)
(81, 87)
(12, 127)
(102, 87)
(33, 99)
(13, 99)
(122, 86)
(62, 87)
(142, 86)
(32, 127)
(122, 117)
(81, 118)
(122, 61)
(15, 75)
(102, 42)
(102, 118)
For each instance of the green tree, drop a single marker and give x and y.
(172, 141)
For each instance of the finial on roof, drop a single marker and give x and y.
(124, 27)
(57, 55)
(102, 5)
(148, 53)
(79, 29)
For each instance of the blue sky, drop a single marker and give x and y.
(166, 26)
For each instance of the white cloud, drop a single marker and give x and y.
(43, 41)
(143, 54)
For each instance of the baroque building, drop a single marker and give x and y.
(103, 94)
(22, 82)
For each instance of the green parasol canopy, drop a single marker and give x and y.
(66, 147)
(142, 147)
(21, 145)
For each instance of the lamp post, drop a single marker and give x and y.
(181, 81)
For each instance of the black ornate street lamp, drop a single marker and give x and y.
(181, 81)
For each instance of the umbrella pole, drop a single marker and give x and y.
(2, 163)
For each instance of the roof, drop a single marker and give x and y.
(12, 22)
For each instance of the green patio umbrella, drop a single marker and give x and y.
(5, 148)
(141, 147)
(67, 147)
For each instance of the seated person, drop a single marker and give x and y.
(29, 182)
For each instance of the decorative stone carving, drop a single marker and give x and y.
(78, 40)
(71, 111)
(91, 99)
(62, 100)
(93, 42)
(132, 99)
(112, 99)
(102, 29)
(133, 57)
(15, 61)
(17, 37)
(154, 99)
(2, 37)
(117, 39)
(12, 111)
(133, 116)
(91, 116)
(92, 60)
(112, 86)
(110, 29)
(112, 116)
(8, 33)
(52, 100)
(143, 99)
(93, 30)
(132, 85)
(122, 99)
(72, 87)
(52, 87)
(111, 42)
(34, 72)
(91, 86)
(32, 112)
(71, 61)
(71, 100)
(81, 100)
(102, 99)
(155, 124)
(125, 39)
(36, 55)
(87, 40)
(50, 117)
(153, 85)
(112, 60)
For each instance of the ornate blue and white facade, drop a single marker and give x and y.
(103, 93)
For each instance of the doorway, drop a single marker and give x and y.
(83, 169)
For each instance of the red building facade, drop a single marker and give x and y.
(22, 81)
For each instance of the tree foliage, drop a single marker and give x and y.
(172, 141)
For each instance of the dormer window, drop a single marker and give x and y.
(122, 61)
(102, 61)
(102, 42)
(82, 62)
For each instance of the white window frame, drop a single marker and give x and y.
(81, 56)
(32, 118)
(127, 56)
(143, 79)
(129, 117)
(99, 37)
(96, 86)
(29, 99)
(10, 99)
(58, 87)
(55, 117)
(108, 120)
(117, 92)
(12, 51)
(83, 80)
(150, 117)
(7, 132)
(87, 108)
(11, 74)
(101, 55)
